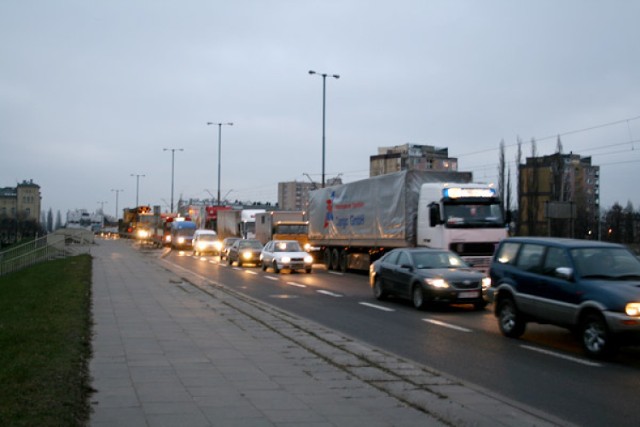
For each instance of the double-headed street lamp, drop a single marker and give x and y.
(173, 152)
(219, 149)
(324, 96)
(117, 192)
(137, 185)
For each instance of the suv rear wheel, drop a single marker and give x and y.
(596, 339)
(509, 318)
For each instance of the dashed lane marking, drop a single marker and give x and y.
(447, 325)
(377, 307)
(299, 285)
(562, 356)
(331, 294)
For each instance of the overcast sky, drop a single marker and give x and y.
(92, 91)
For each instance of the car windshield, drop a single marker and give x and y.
(617, 263)
(286, 247)
(437, 260)
(208, 237)
(249, 244)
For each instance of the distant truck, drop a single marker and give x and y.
(237, 223)
(354, 224)
(282, 225)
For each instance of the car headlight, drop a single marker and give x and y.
(308, 259)
(437, 283)
(307, 247)
(218, 245)
(143, 234)
(633, 309)
(486, 283)
(202, 245)
(285, 260)
(181, 240)
(247, 254)
(167, 238)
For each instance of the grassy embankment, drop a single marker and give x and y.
(45, 344)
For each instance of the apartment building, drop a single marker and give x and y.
(22, 201)
(411, 157)
(559, 195)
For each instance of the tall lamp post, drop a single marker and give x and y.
(137, 185)
(117, 192)
(324, 97)
(173, 152)
(219, 149)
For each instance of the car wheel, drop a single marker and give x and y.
(308, 270)
(378, 290)
(239, 262)
(509, 319)
(275, 267)
(417, 297)
(264, 267)
(597, 341)
(479, 305)
(229, 261)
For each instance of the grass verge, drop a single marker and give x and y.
(45, 344)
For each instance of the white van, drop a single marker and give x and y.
(206, 241)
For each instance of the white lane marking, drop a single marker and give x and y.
(296, 284)
(251, 272)
(447, 325)
(563, 356)
(331, 294)
(271, 278)
(336, 273)
(213, 262)
(377, 307)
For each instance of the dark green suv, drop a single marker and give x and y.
(587, 286)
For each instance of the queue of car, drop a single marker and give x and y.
(591, 288)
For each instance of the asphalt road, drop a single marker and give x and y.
(545, 369)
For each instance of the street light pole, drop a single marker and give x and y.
(137, 185)
(117, 192)
(173, 152)
(219, 149)
(324, 97)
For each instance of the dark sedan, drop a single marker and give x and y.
(428, 275)
(245, 251)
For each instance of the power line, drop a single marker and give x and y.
(617, 122)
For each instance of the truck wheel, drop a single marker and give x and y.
(417, 296)
(327, 258)
(343, 261)
(335, 259)
(509, 319)
(597, 341)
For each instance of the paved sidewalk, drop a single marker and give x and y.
(172, 348)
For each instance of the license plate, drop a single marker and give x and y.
(469, 294)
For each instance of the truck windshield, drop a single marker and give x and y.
(291, 229)
(471, 215)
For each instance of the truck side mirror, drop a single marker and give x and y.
(434, 214)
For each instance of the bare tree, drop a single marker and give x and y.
(501, 172)
(519, 181)
(49, 225)
(532, 194)
(507, 202)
